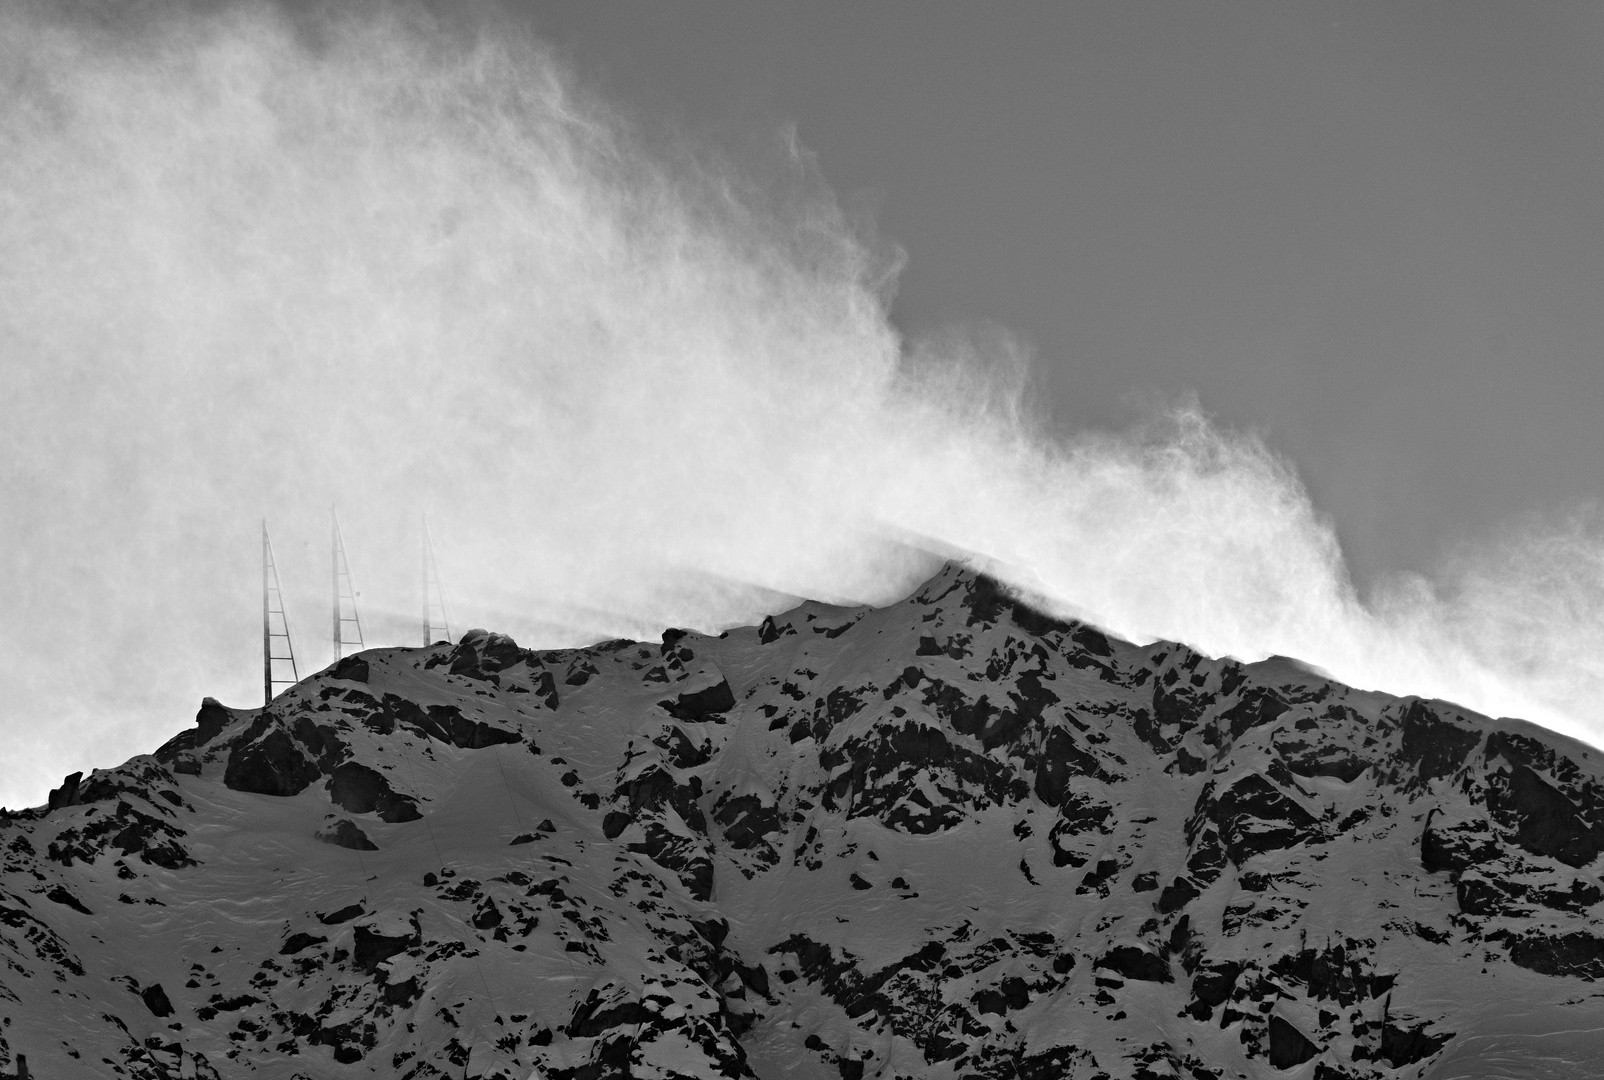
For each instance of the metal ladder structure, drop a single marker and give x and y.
(345, 595)
(273, 607)
(434, 594)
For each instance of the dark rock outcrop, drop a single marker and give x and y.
(701, 704)
(1136, 963)
(358, 789)
(268, 761)
(345, 833)
(1289, 1047)
(1434, 746)
(1545, 821)
(156, 1001)
(373, 948)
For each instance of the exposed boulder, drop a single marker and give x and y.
(374, 948)
(1402, 1044)
(351, 669)
(358, 789)
(210, 721)
(703, 704)
(345, 833)
(66, 794)
(269, 762)
(1136, 963)
(1176, 895)
(1289, 1047)
(682, 753)
(156, 1001)
(1212, 986)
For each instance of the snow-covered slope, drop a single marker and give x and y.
(950, 837)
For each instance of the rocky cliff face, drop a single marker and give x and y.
(951, 837)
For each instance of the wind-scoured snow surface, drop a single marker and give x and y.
(256, 263)
(949, 837)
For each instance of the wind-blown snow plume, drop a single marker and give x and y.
(253, 264)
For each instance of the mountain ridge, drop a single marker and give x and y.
(953, 836)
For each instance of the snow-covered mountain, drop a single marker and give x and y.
(949, 837)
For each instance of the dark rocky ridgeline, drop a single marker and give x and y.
(957, 836)
(497, 660)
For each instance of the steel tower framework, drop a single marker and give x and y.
(434, 593)
(344, 596)
(273, 607)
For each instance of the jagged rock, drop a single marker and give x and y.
(345, 914)
(351, 669)
(66, 794)
(1176, 895)
(61, 896)
(1402, 1045)
(682, 753)
(211, 720)
(296, 942)
(1289, 1047)
(1256, 706)
(155, 999)
(345, 833)
(1575, 954)
(1327, 760)
(747, 822)
(1435, 747)
(1254, 817)
(1212, 986)
(1135, 963)
(889, 775)
(701, 704)
(1546, 823)
(1458, 847)
(269, 762)
(596, 1016)
(686, 858)
(358, 789)
(373, 948)
(125, 829)
(447, 724)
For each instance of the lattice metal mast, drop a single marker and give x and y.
(434, 593)
(273, 604)
(344, 594)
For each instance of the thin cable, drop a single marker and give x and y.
(363, 863)
(516, 817)
(416, 787)
(494, 1008)
(572, 974)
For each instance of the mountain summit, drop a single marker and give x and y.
(952, 837)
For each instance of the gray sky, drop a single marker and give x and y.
(619, 324)
(1373, 232)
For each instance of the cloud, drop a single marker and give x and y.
(257, 264)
